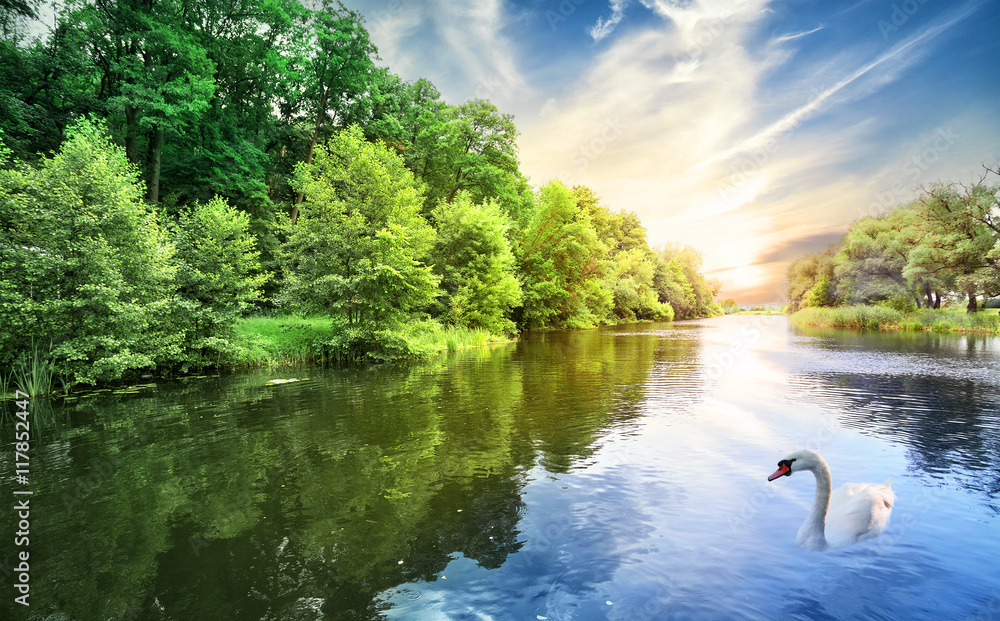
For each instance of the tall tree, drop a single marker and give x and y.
(687, 261)
(257, 51)
(339, 72)
(355, 253)
(483, 150)
(154, 74)
(46, 83)
(561, 263)
(477, 267)
(960, 231)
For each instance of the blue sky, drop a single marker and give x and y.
(754, 130)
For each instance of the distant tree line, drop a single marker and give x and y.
(169, 166)
(944, 245)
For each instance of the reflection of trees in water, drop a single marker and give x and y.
(950, 425)
(225, 498)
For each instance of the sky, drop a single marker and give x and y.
(754, 130)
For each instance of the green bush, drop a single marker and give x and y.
(84, 263)
(218, 278)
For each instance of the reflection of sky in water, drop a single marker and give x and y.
(671, 516)
(611, 474)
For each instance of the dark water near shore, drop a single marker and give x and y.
(610, 474)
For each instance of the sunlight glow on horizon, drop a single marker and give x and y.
(734, 126)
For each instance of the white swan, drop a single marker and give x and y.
(853, 512)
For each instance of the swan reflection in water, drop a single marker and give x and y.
(851, 513)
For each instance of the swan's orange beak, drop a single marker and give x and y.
(782, 470)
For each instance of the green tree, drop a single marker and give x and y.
(959, 235)
(257, 49)
(339, 73)
(631, 280)
(46, 83)
(85, 263)
(483, 147)
(821, 293)
(684, 268)
(471, 147)
(805, 272)
(473, 257)
(870, 262)
(630, 266)
(356, 250)
(561, 263)
(218, 276)
(155, 77)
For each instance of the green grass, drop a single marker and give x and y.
(880, 317)
(282, 339)
(290, 339)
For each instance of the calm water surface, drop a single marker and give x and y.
(611, 474)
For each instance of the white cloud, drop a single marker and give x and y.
(459, 46)
(605, 26)
(703, 151)
(896, 60)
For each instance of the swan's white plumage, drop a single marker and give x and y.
(853, 512)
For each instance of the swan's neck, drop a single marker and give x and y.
(812, 533)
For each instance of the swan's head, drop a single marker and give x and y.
(796, 462)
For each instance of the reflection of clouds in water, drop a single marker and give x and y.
(959, 357)
(585, 526)
(936, 395)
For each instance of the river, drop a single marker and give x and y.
(610, 474)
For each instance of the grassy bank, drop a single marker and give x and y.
(290, 339)
(286, 339)
(883, 318)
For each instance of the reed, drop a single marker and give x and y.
(883, 318)
(34, 376)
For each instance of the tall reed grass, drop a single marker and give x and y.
(34, 376)
(883, 318)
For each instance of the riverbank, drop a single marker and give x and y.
(883, 318)
(279, 340)
(291, 339)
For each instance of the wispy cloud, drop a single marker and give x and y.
(460, 46)
(905, 51)
(700, 98)
(686, 122)
(605, 26)
(796, 35)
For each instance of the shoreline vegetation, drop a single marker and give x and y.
(267, 192)
(885, 318)
(915, 267)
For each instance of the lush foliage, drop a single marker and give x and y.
(171, 167)
(944, 246)
(218, 276)
(561, 262)
(86, 263)
(356, 248)
(473, 256)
